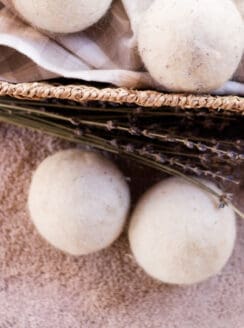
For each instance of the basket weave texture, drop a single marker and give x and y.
(144, 98)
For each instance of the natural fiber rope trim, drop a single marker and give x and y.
(148, 98)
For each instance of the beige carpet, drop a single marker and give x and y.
(41, 287)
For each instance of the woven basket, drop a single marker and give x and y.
(148, 98)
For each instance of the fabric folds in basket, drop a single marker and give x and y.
(106, 52)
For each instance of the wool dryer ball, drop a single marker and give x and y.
(78, 201)
(62, 16)
(179, 235)
(239, 74)
(191, 45)
(240, 6)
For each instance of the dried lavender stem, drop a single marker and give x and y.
(58, 129)
(84, 122)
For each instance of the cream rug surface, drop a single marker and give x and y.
(41, 287)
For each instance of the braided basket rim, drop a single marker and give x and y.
(143, 98)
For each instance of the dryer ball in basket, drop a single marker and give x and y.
(240, 6)
(78, 201)
(191, 45)
(179, 235)
(62, 16)
(239, 74)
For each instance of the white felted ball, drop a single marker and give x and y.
(240, 6)
(239, 74)
(191, 45)
(179, 235)
(78, 201)
(62, 16)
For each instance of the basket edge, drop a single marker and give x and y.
(143, 98)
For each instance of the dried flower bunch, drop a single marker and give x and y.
(201, 143)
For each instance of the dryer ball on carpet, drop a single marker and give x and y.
(78, 201)
(179, 235)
